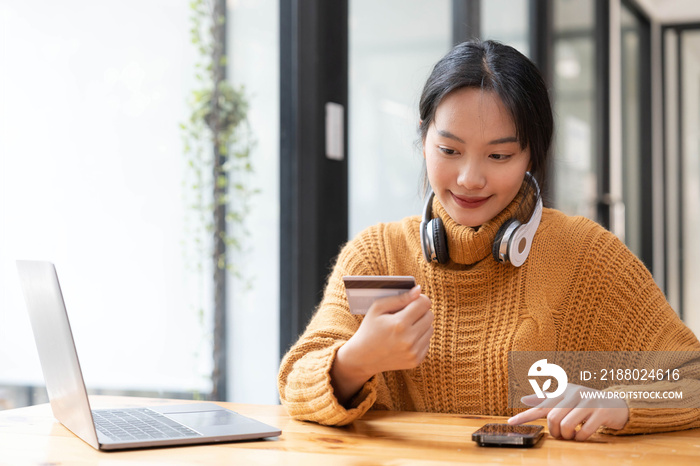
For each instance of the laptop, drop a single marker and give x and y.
(154, 426)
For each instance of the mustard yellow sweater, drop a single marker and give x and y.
(581, 289)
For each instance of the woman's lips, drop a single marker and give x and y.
(470, 202)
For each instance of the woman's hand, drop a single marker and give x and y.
(570, 410)
(394, 335)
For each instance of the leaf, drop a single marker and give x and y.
(546, 384)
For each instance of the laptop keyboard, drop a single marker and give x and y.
(139, 424)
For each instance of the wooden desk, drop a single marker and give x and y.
(32, 436)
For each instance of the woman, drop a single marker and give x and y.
(485, 122)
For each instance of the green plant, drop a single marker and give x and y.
(217, 147)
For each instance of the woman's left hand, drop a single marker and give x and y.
(568, 411)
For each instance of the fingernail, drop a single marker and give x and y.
(415, 292)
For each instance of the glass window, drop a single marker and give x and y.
(671, 167)
(689, 178)
(574, 97)
(253, 53)
(389, 63)
(631, 129)
(92, 171)
(511, 28)
(91, 179)
(682, 171)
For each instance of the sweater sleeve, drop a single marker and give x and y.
(617, 306)
(304, 381)
(675, 351)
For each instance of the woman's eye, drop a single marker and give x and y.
(447, 151)
(499, 156)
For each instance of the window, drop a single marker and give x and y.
(636, 132)
(389, 63)
(511, 28)
(91, 179)
(91, 176)
(574, 100)
(682, 168)
(253, 332)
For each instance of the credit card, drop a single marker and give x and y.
(363, 290)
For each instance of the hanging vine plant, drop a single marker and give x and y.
(217, 148)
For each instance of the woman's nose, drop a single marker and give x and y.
(471, 177)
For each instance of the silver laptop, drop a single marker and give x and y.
(176, 424)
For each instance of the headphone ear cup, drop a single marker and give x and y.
(496, 247)
(439, 240)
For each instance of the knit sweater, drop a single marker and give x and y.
(581, 289)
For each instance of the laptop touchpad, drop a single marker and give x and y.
(208, 418)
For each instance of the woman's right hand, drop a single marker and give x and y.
(394, 335)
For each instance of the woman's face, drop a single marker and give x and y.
(474, 162)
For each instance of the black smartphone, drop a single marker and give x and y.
(505, 435)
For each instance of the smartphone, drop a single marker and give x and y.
(505, 435)
(363, 290)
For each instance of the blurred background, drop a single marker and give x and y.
(106, 171)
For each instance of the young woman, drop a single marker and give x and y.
(486, 124)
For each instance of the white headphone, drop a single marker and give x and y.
(511, 244)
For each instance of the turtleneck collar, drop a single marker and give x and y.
(468, 245)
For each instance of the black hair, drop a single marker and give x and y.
(492, 66)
